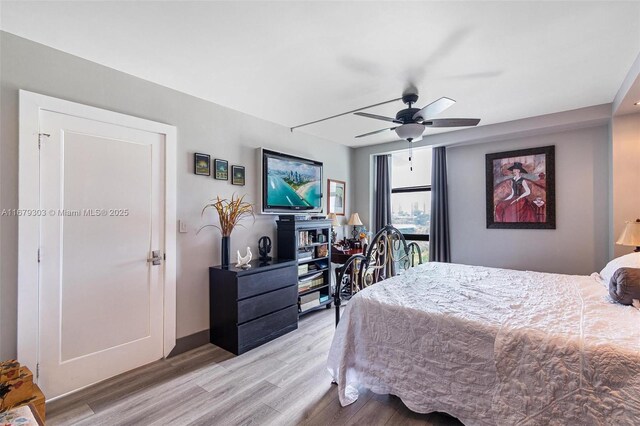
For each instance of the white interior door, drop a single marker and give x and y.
(102, 203)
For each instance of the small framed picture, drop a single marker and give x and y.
(237, 175)
(221, 168)
(337, 196)
(202, 164)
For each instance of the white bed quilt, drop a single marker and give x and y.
(493, 346)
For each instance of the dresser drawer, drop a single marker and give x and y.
(252, 284)
(257, 306)
(261, 330)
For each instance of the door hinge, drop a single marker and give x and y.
(37, 370)
(40, 136)
(38, 255)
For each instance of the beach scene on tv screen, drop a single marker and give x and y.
(293, 184)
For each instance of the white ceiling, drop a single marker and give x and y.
(294, 62)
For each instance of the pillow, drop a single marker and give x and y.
(625, 285)
(631, 260)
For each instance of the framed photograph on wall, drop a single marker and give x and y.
(202, 164)
(337, 196)
(521, 189)
(237, 175)
(221, 169)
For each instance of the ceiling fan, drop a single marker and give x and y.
(412, 122)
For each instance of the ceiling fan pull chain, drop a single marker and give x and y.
(410, 156)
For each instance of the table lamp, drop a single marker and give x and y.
(631, 235)
(334, 222)
(354, 221)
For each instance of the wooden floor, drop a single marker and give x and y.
(284, 382)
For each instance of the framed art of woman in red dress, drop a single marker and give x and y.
(516, 207)
(521, 189)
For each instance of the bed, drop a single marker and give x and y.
(492, 346)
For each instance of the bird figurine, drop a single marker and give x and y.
(243, 261)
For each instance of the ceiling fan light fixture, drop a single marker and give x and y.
(410, 131)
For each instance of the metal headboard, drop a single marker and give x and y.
(388, 255)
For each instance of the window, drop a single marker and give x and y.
(411, 196)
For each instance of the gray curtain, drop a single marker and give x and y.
(439, 245)
(382, 198)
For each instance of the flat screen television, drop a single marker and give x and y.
(290, 184)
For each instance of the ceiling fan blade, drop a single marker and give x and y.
(433, 109)
(376, 132)
(342, 113)
(378, 117)
(451, 122)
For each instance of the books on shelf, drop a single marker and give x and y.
(310, 285)
(312, 266)
(309, 301)
(313, 299)
(311, 238)
(309, 297)
(305, 254)
(305, 238)
(309, 305)
(311, 277)
(312, 281)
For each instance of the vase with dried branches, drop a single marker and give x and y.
(230, 213)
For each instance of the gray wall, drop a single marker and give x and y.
(532, 126)
(579, 244)
(626, 175)
(202, 127)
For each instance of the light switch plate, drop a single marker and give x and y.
(182, 226)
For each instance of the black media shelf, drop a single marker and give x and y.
(304, 236)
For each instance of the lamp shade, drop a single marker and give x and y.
(630, 235)
(355, 220)
(410, 131)
(334, 219)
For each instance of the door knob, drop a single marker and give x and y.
(156, 258)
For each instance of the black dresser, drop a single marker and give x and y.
(249, 307)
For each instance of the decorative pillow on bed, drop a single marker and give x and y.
(631, 260)
(625, 285)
